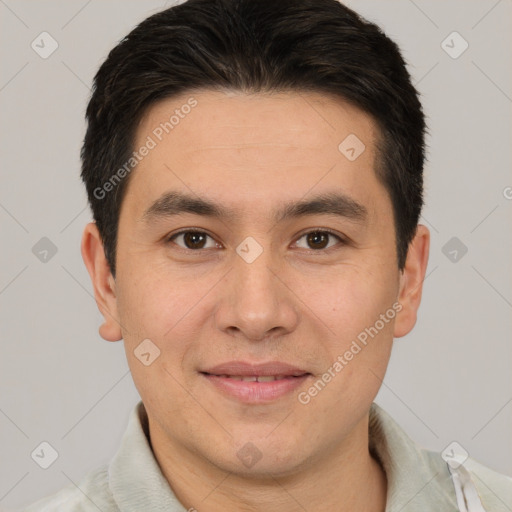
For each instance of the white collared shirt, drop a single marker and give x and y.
(418, 480)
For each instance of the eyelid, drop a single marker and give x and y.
(322, 230)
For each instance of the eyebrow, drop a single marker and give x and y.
(332, 203)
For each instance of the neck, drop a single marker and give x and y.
(345, 479)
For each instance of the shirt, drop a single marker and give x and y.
(418, 479)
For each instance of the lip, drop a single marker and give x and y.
(255, 392)
(250, 370)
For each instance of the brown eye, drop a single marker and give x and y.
(318, 240)
(192, 240)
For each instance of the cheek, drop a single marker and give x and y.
(170, 309)
(152, 302)
(359, 308)
(160, 309)
(353, 299)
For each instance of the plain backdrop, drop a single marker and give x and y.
(449, 380)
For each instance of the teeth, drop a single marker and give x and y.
(267, 378)
(254, 378)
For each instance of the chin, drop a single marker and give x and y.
(258, 457)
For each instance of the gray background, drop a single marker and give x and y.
(61, 383)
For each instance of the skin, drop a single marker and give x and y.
(295, 303)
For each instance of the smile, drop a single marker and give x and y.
(255, 383)
(258, 378)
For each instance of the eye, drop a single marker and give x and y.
(319, 239)
(192, 239)
(195, 240)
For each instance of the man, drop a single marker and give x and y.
(255, 174)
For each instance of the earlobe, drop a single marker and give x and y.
(103, 282)
(411, 281)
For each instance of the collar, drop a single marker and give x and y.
(417, 479)
(135, 478)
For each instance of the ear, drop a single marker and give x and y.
(103, 282)
(411, 281)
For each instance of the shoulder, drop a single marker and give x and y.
(92, 493)
(421, 479)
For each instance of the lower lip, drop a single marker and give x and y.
(256, 392)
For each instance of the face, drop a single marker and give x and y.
(286, 260)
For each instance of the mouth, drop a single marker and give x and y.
(256, 378)
(255, 383)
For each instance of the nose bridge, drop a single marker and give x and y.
(255, 275)
(256, 302)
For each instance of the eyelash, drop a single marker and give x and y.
(342, 240)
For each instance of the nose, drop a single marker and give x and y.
(256, 302)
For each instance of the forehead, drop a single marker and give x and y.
(260, 146)
(290, 119)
